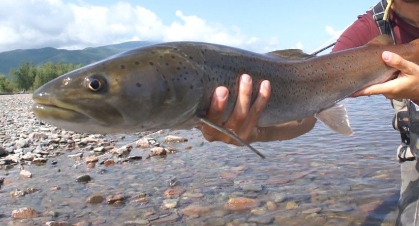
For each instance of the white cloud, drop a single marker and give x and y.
(331, 31)
(42, 23)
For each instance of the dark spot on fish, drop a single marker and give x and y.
(178, 68)
(137, 63)
(190, 57)
(173, 57)
(180, 62)
(167, 64)
(122, 66)
(138, 85)
(168, 90)
(151, 64)
(191, 87)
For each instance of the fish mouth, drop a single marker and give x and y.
(53, 112)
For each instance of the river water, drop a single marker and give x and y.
(320, 178)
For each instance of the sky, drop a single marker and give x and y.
(260, 26)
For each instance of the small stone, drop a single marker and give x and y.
(216, 221)
(91, 165)
(124, 150)
(240, 204)
(195, 210)
(146, 142)
(76, 156)
(115, 199)
(17, 193)
(22, 143)
(136, 222)
(158, 151)
(25, 174)
(83, 179)
(57, 223)
(99, 149)
(261, 219)
(175, 192)
(291, 205)
(39, 160)
(259, 211)
(55, 188)
(192, 195)
(92, 159)
(174, 139)
(3, 151)
(24, 213)
(271, 206)
(251, 187)
(95, 199)
(109, 162)
(312, 210)
(170, 203)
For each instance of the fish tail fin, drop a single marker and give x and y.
(231, 134)
(336, 118)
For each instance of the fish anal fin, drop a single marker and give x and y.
(336, 118)
(291, 54)
(230, 134)
(381, 40)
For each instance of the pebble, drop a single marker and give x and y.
(25, 174)
(175, 192)
(124, 150)
(189, 194)
(136, 222)
(291, 205)
(240, 203)
(170, 203)
(271, 206)
(174, 139)
(251, 187)
(216, 221)
(195, 210)
(95, 199)
(83, 178)
(158, 151)
(259, 211)
(24, 213)
(115, 199)
(261, 219)
(109, 162)
(92, 159)
(99, 149)
(3, 151)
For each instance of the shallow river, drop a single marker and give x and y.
(320, 178)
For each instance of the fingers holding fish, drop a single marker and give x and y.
(215, 113)
(241, 109)
(403, 87)
(248, 131)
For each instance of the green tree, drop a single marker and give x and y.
(5, 85)
(49, 71)
(24, 76)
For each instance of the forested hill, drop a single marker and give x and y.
(12, 59)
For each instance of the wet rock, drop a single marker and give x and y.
(195, 210)
(91, 165)
(99, 149)
(92, 159)
(95, 199)
(158, 151)
(175, 192)
(17, 193)
(240, 204)
(136, 222)
(22, 143)
(146, 142)
(51, 214)
(124, 150)
(165, 220)
(261, 219)
(259, 211)
(25, 174)
(109, 162)
(251, 187)
(216, 221)
(24, 213)
(279, 197)
(170, 203)
(291, 205)
(271, 206)
(57, 223)
(35, 136)
(189, 194)
(83, 178)
(174, 139)
(312, 210)
(82, 223)
(3, 151)
(77, 156)
(39, 161)
(115, 199)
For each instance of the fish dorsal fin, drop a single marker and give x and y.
(336, 119)
(381, 40)
(230, 134)
(291, 54)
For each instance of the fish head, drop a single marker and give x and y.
(130, 92)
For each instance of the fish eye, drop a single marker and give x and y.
(95, 83)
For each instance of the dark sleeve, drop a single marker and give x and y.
(359, 33)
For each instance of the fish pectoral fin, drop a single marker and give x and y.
(230, 134)
(336, 119)
(381, 40)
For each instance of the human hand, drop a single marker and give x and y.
(405, 86)
(245, 115)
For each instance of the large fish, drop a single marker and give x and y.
(170, 85)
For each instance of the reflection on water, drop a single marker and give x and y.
(320, 178)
